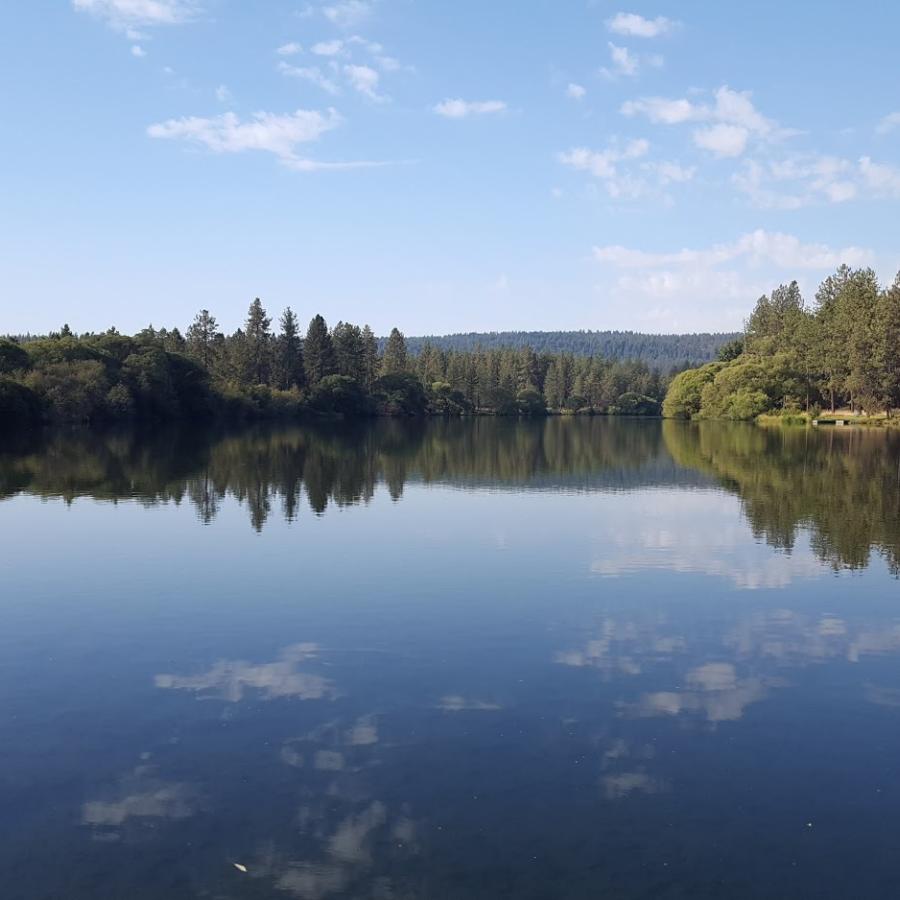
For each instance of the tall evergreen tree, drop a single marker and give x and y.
(370, 357)
(349, 351)
(396, 359)
(318, 352)
(258, 344)
(201, 338)
(289, 369)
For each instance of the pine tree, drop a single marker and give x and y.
(318, 352)
(370, 357)
(396, 359)
(349, 354)
(201, 339)
(289, 370)
(258, 344)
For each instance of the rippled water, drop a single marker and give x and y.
(562, 659)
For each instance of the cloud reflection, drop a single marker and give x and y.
(230, 679)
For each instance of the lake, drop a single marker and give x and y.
(566, 658)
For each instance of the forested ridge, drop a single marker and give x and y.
(261, 371)
(841, 352)
(661, 351)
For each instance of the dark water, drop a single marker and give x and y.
(562, 659)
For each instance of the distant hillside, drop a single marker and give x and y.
(662, 351)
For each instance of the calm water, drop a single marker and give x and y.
(562, 659)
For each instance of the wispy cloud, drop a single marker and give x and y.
(633, 25)
(733, 119)
(461, 109)
(292, 48)
(138, 51)
(783, 250)
(575, 91)
(348, 13)
(888, 123)
(327, 48)
(268, 132)
(129, 14)
(631, 180)
(312, 74)
(365, 80)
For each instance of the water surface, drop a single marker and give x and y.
(567, 658)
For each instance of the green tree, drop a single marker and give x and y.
(318, 352)
(202, 338)
(289, 371)
(396, 359)
(258, 344)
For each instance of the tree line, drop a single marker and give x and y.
(265, 371)
(660, 351)
(841, 352)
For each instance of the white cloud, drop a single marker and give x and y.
(128, 14)
(888, 123)
(797, 181)
(461, 109)
(575, 91)
(733, 119)
(624, 62)
(633, 25)
(328, 48)
(672, 172)
(276, 134)
(365, 80)
(619, 181)
(312, 74)
(722, 139)
(348, 13)
(223, 95)
(662, 111)
(756, 247)
(138, 51)
(879, 178)
(292, 48)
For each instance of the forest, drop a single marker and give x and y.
(659, 351)
(261, 371)
(840, 353)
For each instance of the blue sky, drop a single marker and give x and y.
(441, 166)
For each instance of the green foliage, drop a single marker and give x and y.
(400, 394)
(12, 357)
(683, 399)
(340, 395)
(19, 405)
(845, 351)
(632, 404)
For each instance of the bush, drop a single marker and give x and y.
(399, 394)
(631, 404)
(530, 402)
(18, 404)
(339, 395)
(12, 357)
(73, 392)
(683, 399)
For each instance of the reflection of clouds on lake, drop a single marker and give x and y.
(363, 732)
(229, 679)
(140, 796)
(621, 648)
(692, 532)
(882, 696)
(718, 694)
(625, 783)
(458, 703)
(793, 638)
(344, 840)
